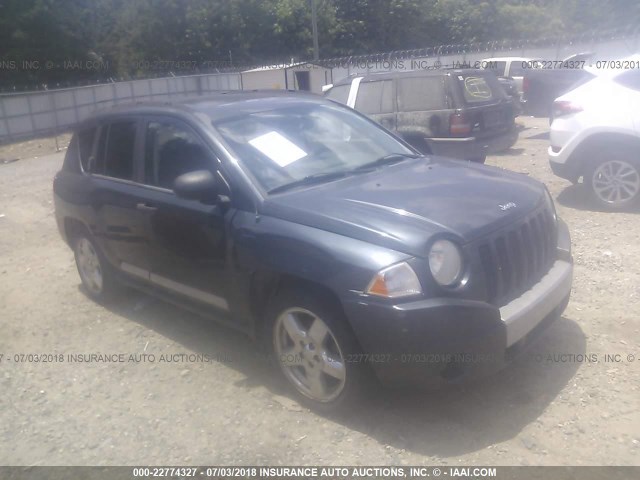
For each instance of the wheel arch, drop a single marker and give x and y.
(287, 254)
(72, 228)
(266, 286)
(599, 141)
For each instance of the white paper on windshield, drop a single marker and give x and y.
(278, 148)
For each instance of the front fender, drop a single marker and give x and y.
(269, 246)
(587, 139)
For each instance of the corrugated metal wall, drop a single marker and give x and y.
(38, 113)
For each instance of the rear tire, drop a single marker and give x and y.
(613, 180)
(314, 349)
(95, 272)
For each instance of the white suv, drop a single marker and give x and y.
(595, 135)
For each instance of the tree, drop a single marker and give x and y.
(152, 37)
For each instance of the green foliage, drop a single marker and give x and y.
(133, 38)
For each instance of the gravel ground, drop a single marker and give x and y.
(551, 407)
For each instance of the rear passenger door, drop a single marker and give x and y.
(376, 99)
(117, 199)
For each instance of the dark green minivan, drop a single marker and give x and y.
(463, 114)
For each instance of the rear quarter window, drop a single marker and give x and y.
(71, 158)
(78, 156)
(421, 93)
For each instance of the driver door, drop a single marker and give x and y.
(188, 238)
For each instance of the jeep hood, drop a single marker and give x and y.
(401, 206)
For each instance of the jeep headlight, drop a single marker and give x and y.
(395, 281)
(445, 262)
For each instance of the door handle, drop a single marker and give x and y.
(145, 208)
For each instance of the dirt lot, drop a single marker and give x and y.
(558, 410)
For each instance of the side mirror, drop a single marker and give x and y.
(199, 185)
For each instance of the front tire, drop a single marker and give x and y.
(314, 349)
(614, 181)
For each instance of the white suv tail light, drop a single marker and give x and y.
(564, 107)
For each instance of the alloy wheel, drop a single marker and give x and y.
(89, 266)
(309, 355)
(616, 182)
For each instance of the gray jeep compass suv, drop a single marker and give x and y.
(308, 226)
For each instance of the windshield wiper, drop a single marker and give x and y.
(328, 176)
(388, 160)
(311, 179)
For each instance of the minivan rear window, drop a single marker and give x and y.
(479, 88)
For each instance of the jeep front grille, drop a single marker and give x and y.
(516, 258)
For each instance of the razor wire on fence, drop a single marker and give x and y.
(50, 110)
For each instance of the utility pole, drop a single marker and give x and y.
(314, 30)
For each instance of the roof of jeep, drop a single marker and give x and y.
(216, 106)
(411, 73)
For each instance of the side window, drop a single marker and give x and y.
(170, 151)
(497, 66)
(86, 139)
(116, 150)
(421, 94)
(516, 70)
(375, 97)
(339, 93)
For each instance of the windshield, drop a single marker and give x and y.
(289, 144)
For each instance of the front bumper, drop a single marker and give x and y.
(444, 340)
(471, 148)
(560, 165)
(523, 314)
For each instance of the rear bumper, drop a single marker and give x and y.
(431, 342)
(471, 148)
